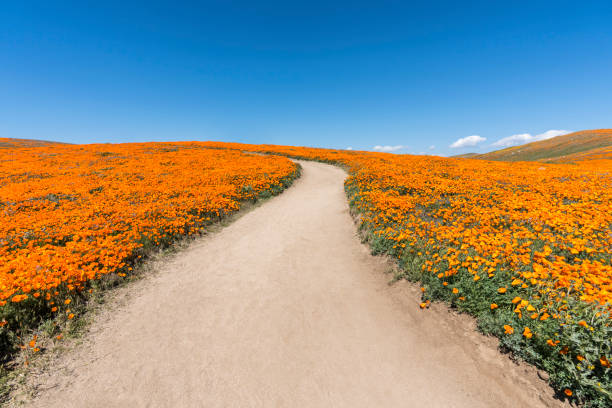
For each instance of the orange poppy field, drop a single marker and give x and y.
(524, 247)
(73, 214)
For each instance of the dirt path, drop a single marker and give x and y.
(285, 308)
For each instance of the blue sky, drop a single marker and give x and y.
(405, 77)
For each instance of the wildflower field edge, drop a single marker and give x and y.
(26, 323)
(557, 361)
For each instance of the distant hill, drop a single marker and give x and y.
(464, 155)
(13, 143)
(577, 146)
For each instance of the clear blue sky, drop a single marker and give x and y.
(331, 74)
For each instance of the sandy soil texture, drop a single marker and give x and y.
(285, 308)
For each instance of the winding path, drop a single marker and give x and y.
(285, 308)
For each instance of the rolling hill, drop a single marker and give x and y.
(577, 146)
(13, 143)
(465, 156)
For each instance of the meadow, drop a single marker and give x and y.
(524, 247)
(72, 215)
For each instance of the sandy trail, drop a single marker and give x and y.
(285, 308)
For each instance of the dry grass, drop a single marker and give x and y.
(577, 146)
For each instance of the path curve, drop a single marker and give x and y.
(285, 308)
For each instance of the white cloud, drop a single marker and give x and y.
(432, 147)
(389, 148)
(523, 138)
(514, 140)
(349, 148)
(549, 134)
(468, 141)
